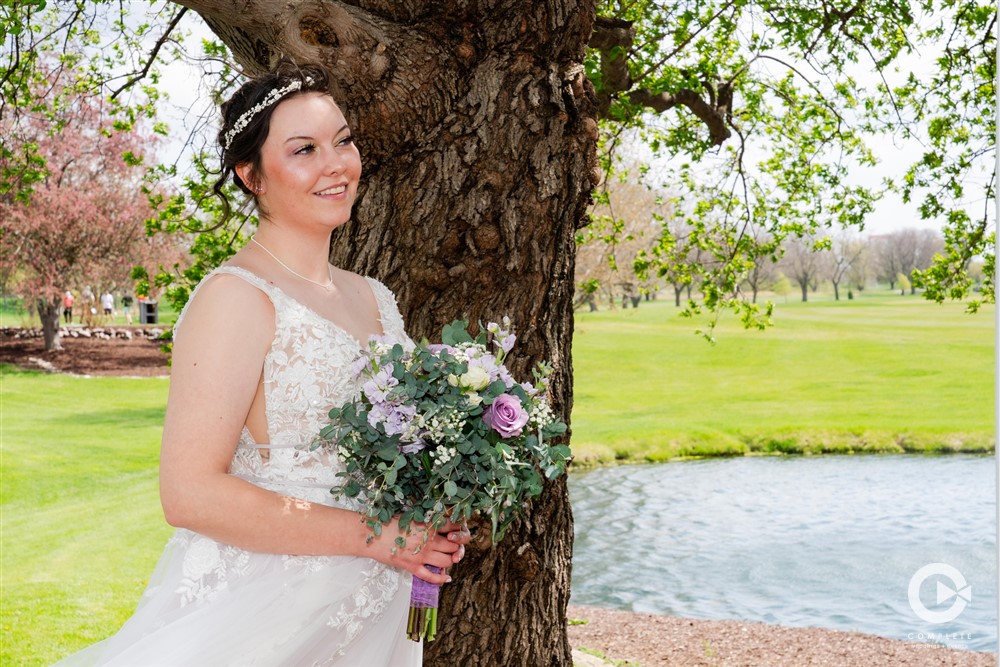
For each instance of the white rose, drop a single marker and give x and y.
(473, 398)
(453, 379)
(475, 378)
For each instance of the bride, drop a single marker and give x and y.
(266, 567)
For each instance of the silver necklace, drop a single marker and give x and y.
(329, 282)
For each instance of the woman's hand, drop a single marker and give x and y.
(442, 549)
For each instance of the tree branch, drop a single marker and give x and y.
(152, 55)
(713, 117)
(611, 32)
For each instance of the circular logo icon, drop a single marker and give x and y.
(959, 592)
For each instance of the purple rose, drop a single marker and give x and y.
(506, 416)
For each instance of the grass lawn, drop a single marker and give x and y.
(880, 373)
(81, 521)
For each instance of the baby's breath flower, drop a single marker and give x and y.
(442, 455)
(541, 415)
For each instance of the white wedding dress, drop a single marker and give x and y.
(209, 604)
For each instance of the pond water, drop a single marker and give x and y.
(828, 541)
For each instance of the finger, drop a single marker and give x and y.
(439, 559)
(431, 577)
(458, 555)
(450, 526)
(440, 543)
(460, 536)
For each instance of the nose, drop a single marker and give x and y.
(334, 162)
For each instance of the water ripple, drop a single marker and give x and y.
(823, 541)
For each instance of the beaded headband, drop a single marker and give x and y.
(247, 116)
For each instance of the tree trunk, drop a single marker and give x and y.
(805, 290)
(836, 291)
(49, 312)
(478, 135)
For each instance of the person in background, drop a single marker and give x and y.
(127, 308)
(68, 307)
(108, 303)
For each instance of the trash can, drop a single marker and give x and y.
(147, 312)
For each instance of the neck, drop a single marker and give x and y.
(300, 255)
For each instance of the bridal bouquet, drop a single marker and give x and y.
(445, 431)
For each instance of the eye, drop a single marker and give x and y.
(346, 141)
(304, 150)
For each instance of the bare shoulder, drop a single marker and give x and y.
(358, 285)
(350, 278)
(226, 304)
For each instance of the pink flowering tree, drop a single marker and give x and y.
(82, 220)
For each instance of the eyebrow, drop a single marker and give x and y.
(308, 138)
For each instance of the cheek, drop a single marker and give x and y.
(355, 163)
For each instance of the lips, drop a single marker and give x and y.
(335, 190)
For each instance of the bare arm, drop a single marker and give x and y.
(217, 363)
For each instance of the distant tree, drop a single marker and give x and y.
(928, 246)
(803, 263)
(863, 267)
(622, 227)
(904, 283)
(846, 250)
(908, 252)
(765, 267)
(890, 257)
(782, 286)
(82, 220)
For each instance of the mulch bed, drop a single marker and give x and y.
(139, 357)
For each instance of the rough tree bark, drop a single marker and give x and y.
(49, 311)
(477, 127)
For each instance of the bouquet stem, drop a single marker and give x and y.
(422, 621)
(422, 624)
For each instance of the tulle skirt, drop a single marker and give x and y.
(213, 605)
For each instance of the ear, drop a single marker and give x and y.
(246, 174)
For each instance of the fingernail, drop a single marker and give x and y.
(448, 580)
(452, 536)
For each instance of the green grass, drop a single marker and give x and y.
(881, 374)
(81, 521)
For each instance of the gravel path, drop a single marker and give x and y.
(648, 640)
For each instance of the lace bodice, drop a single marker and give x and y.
(307, 372)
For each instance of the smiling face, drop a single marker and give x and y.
(309, 164)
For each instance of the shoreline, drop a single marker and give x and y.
(602, 637)
(589, 457)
